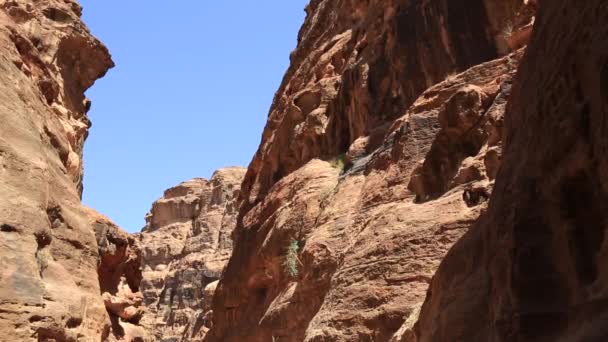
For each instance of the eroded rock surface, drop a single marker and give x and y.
(381, 149)
(49, 289)
(394, 126)
(120, 275)
(185, 245)
(534, 267)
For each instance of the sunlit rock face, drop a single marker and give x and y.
(185, 245)
(381, 149)
(49, 287)
(120, 277)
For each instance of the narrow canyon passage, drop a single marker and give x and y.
(429, 171)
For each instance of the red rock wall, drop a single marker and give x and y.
(49, 289)
(380, 151)
(359, 65)
(534, 267)
(359, 213)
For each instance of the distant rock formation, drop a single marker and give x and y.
(185, 245)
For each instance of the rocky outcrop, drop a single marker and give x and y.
(185, 245)
(532, 269)
(120, 276)
(381, 149)
(49, 289)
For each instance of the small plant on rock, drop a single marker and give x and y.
(290, 264)
(507, 31)
(338, 162)
(43, 261)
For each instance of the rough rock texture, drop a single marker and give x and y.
(359, 65)
(377, 156)
(185, 245)
(49, 289)
(534, 267)
(120, 276)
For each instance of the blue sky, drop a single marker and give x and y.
(190, 93)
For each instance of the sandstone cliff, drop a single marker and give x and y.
(381, 149)
(49, 288)
(185, 245)
(423, 176)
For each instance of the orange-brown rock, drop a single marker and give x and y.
(359, 65)
(185, 245)
(533, 268)
(120, 275)
(380, 151)
(49, 289)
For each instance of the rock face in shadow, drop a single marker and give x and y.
(49, 289)
(533, 268)
(185, 245)
(381, 149)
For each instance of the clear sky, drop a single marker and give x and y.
(190, 93)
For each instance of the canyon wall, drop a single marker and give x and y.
(423, 176)
(380, 151)
(67, 272)
(185, 245)
(49, 288)
(532, 269)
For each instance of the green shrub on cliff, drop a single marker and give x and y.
(290, 264)
(338, 162)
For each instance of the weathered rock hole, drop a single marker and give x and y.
(36, 318)
(474, 197)
(49, 89)
(57, 15)
(55, 217)
(73, 322)
(308, 102)
(43, 239)
(22, 45)
(8, 228)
